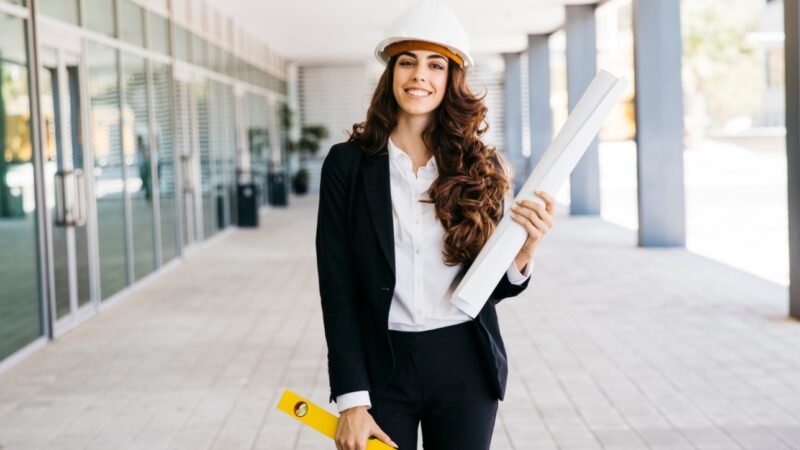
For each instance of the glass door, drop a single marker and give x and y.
(65, 186)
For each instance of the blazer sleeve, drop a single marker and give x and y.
(347, 370)
(505, 288)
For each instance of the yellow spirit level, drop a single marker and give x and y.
(318, 418)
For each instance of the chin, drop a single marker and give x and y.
(416, 110)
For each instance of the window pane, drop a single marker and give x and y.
(100, 16)
(230, 64)
(12, 41)
(219, 170)
(132, 18)
(66, 10)
(162, 77)
(198, 50)
(19, 299)
(203, 141)
(136, 142)
(229, 148)
(107, 153)
(282, 138)
(258, 142)
(212, 57)
(181, 43)
(159, 33)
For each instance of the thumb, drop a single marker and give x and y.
(383, 437)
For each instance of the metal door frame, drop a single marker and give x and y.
(65, 40)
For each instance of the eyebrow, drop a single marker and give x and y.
(435, 55)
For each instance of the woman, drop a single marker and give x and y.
(405, 206)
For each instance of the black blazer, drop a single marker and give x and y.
(355, 265)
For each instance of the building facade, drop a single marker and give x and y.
(147, 116)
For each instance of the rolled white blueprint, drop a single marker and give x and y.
(556, 164)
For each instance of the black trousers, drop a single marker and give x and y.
(440, 380)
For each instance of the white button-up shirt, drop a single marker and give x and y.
(424, 284)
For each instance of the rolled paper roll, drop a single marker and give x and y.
(550, 173)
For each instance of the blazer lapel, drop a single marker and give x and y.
(379, 201)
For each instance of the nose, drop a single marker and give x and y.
(419, 72)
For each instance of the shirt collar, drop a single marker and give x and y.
(396, 152)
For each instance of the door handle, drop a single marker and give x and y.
(70, 196)
(80, 198)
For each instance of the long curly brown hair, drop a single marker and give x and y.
(473, 177)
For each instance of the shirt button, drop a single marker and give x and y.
(419, 250)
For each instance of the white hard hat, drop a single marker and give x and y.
(427, 22)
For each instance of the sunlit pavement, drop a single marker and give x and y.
(611, 346)
(735, 198)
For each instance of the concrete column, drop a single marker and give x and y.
(541, 115)
(513, 118)
(659, 123)
(791, 17)
(581, 69)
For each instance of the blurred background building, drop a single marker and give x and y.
(148, 114)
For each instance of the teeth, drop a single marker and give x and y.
(418, 92)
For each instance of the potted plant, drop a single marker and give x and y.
(300, 181)
(307, 146)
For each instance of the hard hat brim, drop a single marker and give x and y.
(381, 56)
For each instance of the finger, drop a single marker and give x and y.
(533, 232)
(545, 196)
(549, 201)
(383, 437)
(533, 217)
(540, 211)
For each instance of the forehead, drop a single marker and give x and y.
(423, 54)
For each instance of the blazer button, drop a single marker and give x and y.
(384, 288)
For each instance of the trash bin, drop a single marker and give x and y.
(247, 199)
(277, 187)
(220, 206)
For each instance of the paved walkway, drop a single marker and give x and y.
(611, 346)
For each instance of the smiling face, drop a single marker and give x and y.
(420, 80)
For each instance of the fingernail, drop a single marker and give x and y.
(395, 445)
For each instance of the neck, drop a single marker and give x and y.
(408, 134)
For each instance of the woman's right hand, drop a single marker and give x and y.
(355, 426)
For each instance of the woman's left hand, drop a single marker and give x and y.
(537, 220)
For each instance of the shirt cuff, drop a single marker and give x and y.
(352, 399)
(514, 275)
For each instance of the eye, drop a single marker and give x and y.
(405, 62)
(438, 66)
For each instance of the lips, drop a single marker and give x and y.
(418, 93)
